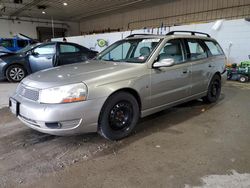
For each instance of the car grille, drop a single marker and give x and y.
(28, 93)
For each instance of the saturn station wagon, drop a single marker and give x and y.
(133, 78)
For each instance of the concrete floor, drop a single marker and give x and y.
(6, 90)
(179, 147)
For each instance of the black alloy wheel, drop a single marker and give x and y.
(214, 90)
(118, 116)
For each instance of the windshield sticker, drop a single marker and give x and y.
(151, 40)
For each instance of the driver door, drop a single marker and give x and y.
(171, 84)
(42, 57)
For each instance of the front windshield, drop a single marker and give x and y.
(27, 48)
(131, 50)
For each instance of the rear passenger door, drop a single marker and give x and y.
(68, 54)
(216, 57)
(198, 57)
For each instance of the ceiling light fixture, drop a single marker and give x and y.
(65, 4)
(43, 12)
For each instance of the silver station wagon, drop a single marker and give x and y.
(131, 79)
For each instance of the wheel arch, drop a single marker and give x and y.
(131, 91)
(11, 64)
(216, 73)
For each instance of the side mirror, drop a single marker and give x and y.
(164, 63)
(34, 53)
(28, 52)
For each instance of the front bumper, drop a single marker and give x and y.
(59, 119)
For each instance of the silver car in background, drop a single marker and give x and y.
(131, 79)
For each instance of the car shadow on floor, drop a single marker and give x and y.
(158, 122)
(55, 153)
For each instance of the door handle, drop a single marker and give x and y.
(185, 72)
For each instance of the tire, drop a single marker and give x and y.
(118, 116)
(243, 79)
(214, 90)
(15, 73)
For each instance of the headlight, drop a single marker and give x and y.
(64, 94)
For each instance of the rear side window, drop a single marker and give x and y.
(196, 50)
(66, 48)
(22, 43)
(214, 48)
(84, 50)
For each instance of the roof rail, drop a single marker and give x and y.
(133, 35)
(191, 32)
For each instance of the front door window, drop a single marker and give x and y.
(46, 49)
(172, 50)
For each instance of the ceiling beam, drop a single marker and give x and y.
(113, 8)
(136, 4)
(25, 7)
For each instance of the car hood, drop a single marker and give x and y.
(90, 71)
(4, 51)
(8, 56)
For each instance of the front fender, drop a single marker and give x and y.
(139, 84)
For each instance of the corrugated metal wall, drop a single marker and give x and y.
(172, 13)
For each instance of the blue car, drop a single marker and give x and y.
(4, 51)
(13, 44)
(36, 57)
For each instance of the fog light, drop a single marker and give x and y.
(63, 124)
(70, 124)
(55, 125)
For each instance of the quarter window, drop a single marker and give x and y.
(196, 50)
(214, 48)
(66, 48)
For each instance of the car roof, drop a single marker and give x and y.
(190, 37)
(168, 36)
(71, 43)
(59, 42)
(143, 36)
(191, 34)
(54, 42)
